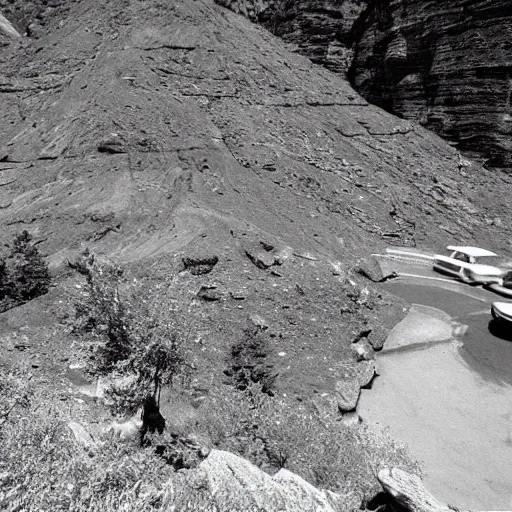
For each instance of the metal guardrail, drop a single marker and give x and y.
(405, 259)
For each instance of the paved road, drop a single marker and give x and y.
(451, 403)
(487, 354)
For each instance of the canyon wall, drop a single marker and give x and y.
(446, 64)
(321, 29)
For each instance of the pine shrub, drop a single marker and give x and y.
(24, 274)
(132, 340)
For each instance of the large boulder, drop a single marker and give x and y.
(408, 492)
(226, 483)
(369, 267)
(265, 255)
(347, 394)
(348, 388)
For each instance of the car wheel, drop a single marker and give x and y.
(464, 276)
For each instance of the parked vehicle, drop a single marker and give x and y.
(502, 311)
(504, 289)
(469, 265)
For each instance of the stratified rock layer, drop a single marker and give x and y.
(321, 29)
(445, 63)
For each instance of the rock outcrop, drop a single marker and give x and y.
(322, 30)
(446, 64)
(226, 482)
(348, 388)
(408, 492)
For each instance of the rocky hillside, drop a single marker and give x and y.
(232, 178)
(442, 64)
(160, 135)
(99, 100)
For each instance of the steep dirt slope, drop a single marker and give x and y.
(191, 104)
(152, 131)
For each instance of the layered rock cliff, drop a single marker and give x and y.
(322, 30)
(445, 64)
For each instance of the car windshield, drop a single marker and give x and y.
(461, 256)
(507, 279)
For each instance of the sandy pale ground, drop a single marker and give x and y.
(454, 420)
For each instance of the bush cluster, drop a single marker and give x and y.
(24, 274)
(273, 432)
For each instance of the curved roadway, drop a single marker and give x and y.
(448, 398)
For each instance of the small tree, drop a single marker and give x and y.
(103, 311)
(28, 276)
(249, 363)
(135, 341)
(158, 362)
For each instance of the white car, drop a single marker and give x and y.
(502, 311)
(469, 265)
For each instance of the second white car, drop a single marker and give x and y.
(468, 264)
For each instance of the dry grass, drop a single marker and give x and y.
(42, 467)
(272, 432)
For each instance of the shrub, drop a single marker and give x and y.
(272, 433)
(326, 452)
(102, 311)
(133, 339)
(248, 363)
(29, 273)
(4, 280)
(24, 274)
(43, 468)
